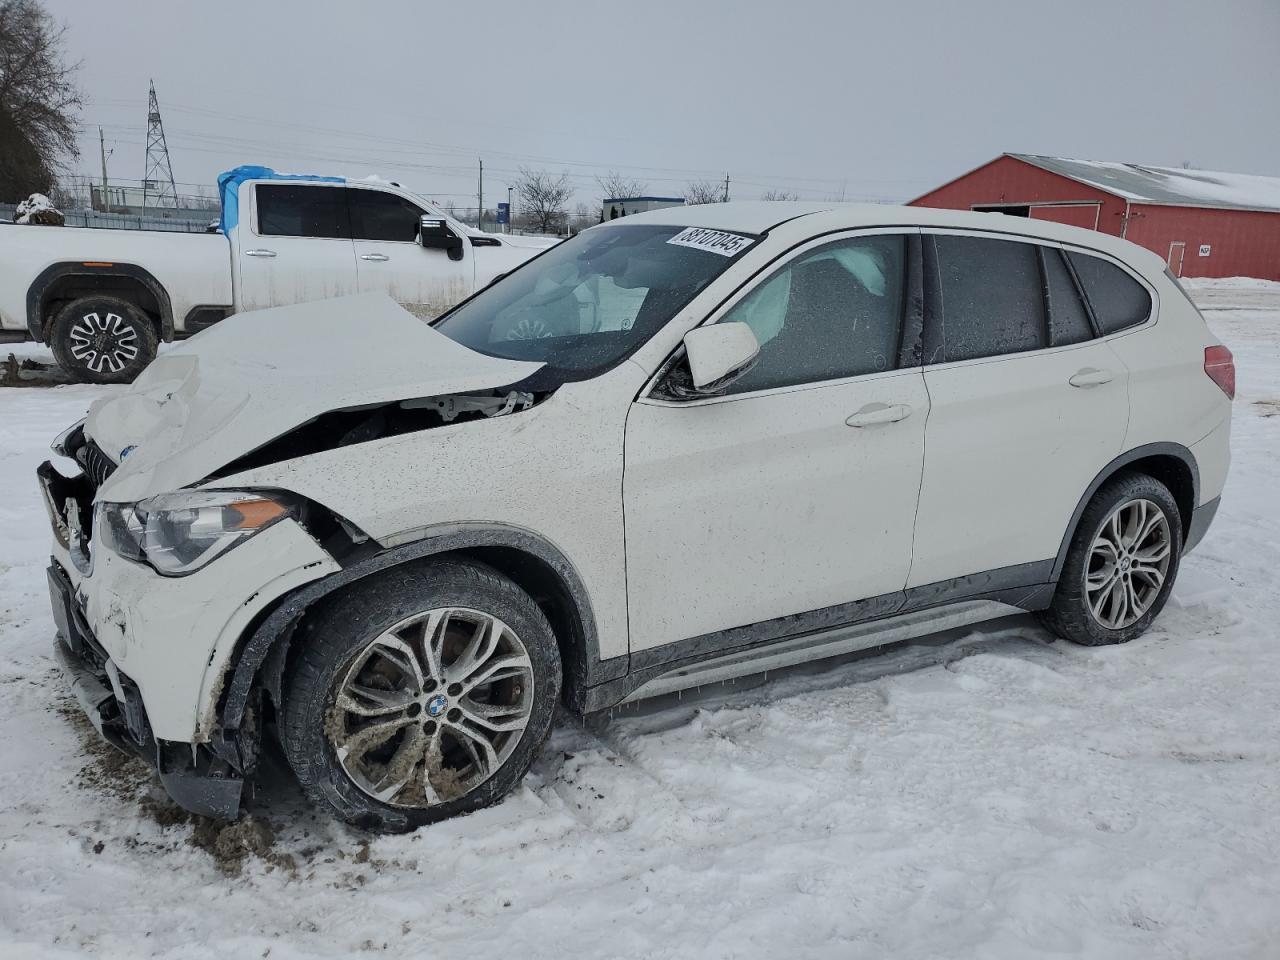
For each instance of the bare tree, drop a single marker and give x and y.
(39, 101)
(703, 191)
(614, 185)
(543, 198)
(582, 218)
(779, 195)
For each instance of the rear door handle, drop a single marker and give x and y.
(374, 256)
(1090, 377)
(874, 413)
(259, 253)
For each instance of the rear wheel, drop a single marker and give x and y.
(101, 339)
(1121, 564)
(421, 694)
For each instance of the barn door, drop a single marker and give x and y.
(1176, 250)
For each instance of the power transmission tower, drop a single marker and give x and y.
(157, 186)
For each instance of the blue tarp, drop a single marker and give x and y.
(229, 193)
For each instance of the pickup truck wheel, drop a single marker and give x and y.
(102, 340)
(419, 694)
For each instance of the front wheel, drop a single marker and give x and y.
(420, 694)
(1121, 564)
(100, 339)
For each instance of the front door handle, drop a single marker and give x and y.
(874, 413)
(374, 256)
(259, 253)
(1090, 377)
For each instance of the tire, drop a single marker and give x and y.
(101, 339)
(361, 653)
(1085, 609)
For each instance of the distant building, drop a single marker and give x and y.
(1203, 224)
(615, 207)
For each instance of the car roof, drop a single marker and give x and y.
(760, 216)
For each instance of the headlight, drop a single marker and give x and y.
(178, 533)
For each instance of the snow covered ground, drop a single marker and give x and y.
(1003, 795)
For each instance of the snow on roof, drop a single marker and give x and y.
(1167, 185)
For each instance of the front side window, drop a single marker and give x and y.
(991, 297)
(593, 300)
(831, 313)
(1118, 300)
(383, 216)
(291, 210)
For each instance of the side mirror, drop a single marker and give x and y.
(434, 234)
(720, 354)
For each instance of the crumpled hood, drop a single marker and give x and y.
(256, 375)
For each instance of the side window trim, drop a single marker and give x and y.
(1084, 297)
(912, 312)
(255, 219)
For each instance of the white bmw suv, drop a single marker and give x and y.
(693, 444)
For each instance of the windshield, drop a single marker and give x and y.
(590, 302)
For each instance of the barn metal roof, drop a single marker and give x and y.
(1171, 186)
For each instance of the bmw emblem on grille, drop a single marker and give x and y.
(128, 450)
(437, 705)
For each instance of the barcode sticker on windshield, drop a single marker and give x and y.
(713, 241)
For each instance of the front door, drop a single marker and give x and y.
(297, 246)
(390, 260)
(795, 491)
(1177, 250)
(1026, 408)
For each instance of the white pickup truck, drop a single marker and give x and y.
(104, 299)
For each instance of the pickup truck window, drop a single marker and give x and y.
(291, 210)
(587, 304)
(383, 216)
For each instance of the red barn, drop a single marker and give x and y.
(1204, 224)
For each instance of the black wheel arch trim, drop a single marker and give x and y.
(59, 271)
(265, 646)
(1161, 449)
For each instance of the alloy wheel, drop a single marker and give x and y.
(1128, 563)
(104, 343)
(432, 707)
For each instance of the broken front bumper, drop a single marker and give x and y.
(195, 779)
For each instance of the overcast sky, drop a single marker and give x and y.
(878, 100)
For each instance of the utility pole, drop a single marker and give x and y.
(510, 212)
(726, 188)
(159, 169)
(102, 147)
(480, 197)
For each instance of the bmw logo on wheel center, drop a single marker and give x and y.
(437, 705)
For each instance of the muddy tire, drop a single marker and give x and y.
(101, 339)
(1120, 565)
(419, 694)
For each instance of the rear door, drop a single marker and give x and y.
(1026, 407)
(298, 245)
(389, 259)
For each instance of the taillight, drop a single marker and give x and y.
(1221, 368)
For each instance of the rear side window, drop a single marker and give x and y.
(992, 297)
(287, 210)
(1068, 319)
(1118, 300)
(383, 216)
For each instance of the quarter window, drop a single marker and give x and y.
(992, 297)
(833, 312)
(383, 216)
(1118, 300)
(1068, 319)
(286, 210)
